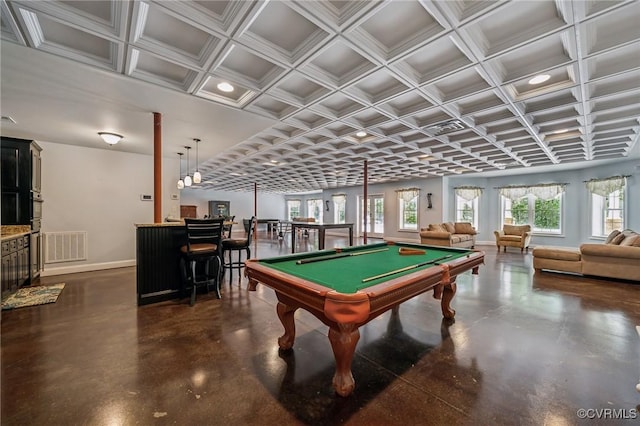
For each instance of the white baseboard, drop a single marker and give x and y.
(49, 271)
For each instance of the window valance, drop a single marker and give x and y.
(546, 191)
(408, 194)
(468, 193)
(606, 186)
(339, 198)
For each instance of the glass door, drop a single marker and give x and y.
(374, 210)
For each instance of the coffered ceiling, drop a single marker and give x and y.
(439, 88)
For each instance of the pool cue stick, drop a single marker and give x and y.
(337, 256)
(407, 268)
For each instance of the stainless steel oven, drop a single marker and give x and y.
(37, 201)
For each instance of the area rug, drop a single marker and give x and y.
(31, 296)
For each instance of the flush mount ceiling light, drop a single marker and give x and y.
(539, 79)
(225, 87)
(361, 134)
(110, 138)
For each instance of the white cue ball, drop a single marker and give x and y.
(638, 387)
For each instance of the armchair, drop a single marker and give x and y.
(514, 236)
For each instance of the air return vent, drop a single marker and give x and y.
(65, 246)
(449, 126)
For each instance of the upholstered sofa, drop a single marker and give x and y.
(450, 234)
(618, 257)
(514, 236)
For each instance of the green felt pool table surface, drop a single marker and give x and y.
(346, 274)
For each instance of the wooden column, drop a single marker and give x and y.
(255, 209)
(157, 167)
(366, 202)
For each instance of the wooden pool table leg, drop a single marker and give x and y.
(448, 291)
(343, 342)
(286, 315)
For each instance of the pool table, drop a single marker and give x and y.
(346, 288)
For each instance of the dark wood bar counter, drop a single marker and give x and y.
(158, 275)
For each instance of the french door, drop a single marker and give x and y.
(373, 208)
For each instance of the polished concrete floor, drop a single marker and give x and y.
(524, 349)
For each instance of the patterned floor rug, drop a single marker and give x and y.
(31, 296)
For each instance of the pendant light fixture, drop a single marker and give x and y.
(187, 178)
(197, 177)
(180, 181)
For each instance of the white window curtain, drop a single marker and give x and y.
(604, 187)
(514, 192)
(543, 191)
(468, 193)
(408, 194)
(340, 199)
(547, 192)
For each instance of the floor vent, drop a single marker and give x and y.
(65, 246)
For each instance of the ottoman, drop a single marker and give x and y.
(563, 259)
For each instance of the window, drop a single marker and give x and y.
(409, 213)
(293, 209)
(314, 209)
(467, 204)
(539, 206)
(607, 204)
(544, 216)
(339, 208)
(466, 211)
(607, 213)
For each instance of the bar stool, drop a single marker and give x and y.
(202, 255)
(238, 244)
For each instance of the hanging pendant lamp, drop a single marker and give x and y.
(180, 181)
(187, 178)
(197, 178)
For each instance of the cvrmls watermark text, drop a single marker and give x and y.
(607, 413)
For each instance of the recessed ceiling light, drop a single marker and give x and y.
(560, 131)
(541, 78)
(225, 87)
(361, 134)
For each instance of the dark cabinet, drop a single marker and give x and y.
(16, 262)
(16, 181)
(21, 182)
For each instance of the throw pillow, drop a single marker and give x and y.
(464, 228)
(611, 236)
(450, 227)
(618, 239)
(630, 240)
(438, 227)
